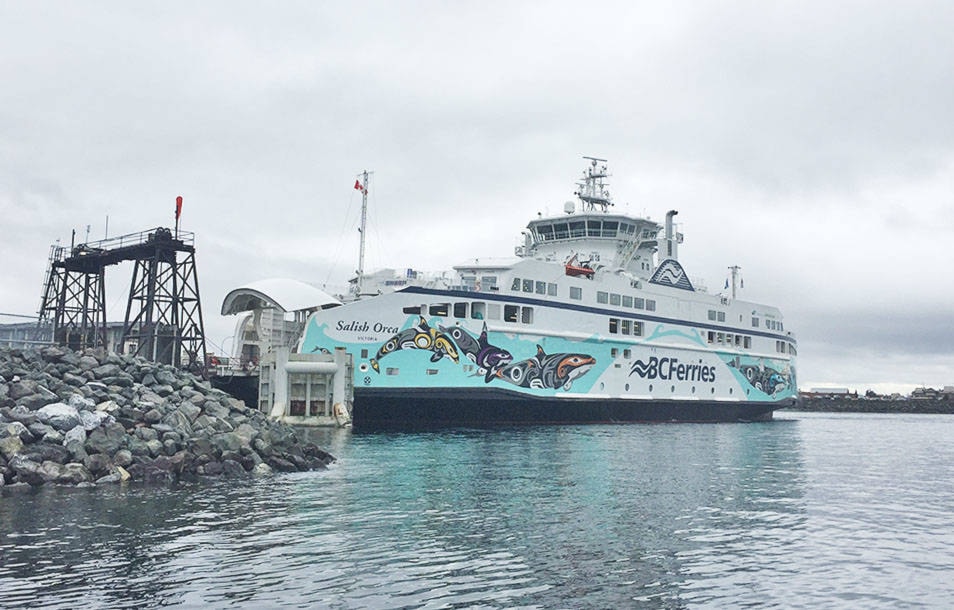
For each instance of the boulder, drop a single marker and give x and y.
(47, 452)
(106, 439)
(123, 457)
(53, 436)
(87, 363)
(77, 434)
(94, 419)
(26, 470)
(107, 370)
(98, 464)
(261, 470)
(81, 403)
(10, 446)
(17, 429)
(19, 413)
(59, 415)
(21, 389)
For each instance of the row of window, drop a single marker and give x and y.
(480, 310)
(485, 282)
(533, 287)
(731, 339)
(475, 310)
(624, 326)
(625, 300)
(576, 293)
(588, 228)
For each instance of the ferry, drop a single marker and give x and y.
(592, 320)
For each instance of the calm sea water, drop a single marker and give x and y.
(808, 511)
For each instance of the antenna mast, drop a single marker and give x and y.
(593, 192)
(363, 187)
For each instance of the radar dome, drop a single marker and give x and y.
(569, 207)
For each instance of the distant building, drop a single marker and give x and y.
(829, 393)
(27, 334)
(931, 394)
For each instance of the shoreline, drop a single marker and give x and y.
(865, 405)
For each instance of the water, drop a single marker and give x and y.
(808, 511)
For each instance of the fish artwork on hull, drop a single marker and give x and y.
(547, 370)
(421, 336)
(488, 358)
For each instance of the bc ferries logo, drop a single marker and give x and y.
(671, 273)
(671, 368)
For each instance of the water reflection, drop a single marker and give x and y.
(615, 516)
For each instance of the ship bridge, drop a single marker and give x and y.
(611, 240)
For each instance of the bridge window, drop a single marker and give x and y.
(478, 310)
(755, 322)
(510, 313)
(639, 303)
(627, 301)
(650, 305)
(528, 285)
(614, 299)
(540, 287)
(416, 309)
(439, 309)
(551, 289)
(576, 293)
(460, 310)
(602, 297)
(515, 286)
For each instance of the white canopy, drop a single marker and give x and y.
(283, 294)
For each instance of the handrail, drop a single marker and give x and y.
(122, 241)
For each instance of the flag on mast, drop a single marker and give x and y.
(359, 187)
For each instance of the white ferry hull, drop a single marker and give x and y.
(414, 370)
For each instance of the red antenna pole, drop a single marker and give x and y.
(178, 213)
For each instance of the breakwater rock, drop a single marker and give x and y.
(862, 405)
(89, 417)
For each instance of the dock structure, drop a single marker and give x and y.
(163, 321)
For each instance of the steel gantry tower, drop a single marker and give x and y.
(163, 320)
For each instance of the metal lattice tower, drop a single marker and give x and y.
(74, 299)
(163, 320)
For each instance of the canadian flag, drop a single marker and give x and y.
(358, 186)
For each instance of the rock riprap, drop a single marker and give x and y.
(90, 417)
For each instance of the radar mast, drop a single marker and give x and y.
(592, 191)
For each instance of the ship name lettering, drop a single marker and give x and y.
(363, 326)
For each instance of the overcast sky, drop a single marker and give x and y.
(811, 143)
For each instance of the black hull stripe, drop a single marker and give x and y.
(419, 408)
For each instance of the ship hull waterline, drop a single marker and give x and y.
(419, 408)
